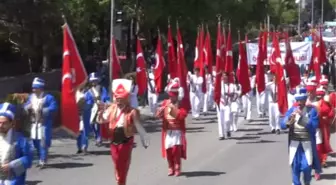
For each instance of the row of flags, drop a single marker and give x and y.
(74, 75)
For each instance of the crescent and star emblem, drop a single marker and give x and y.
(157, 57)
(196, 53)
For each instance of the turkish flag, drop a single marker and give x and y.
(262, 56)
(172, 65)
(292, 70)
(73, 76)
(229, 58)
(116, 68)
(243, 71)
(219, 63)
(141, 77)
(182, 72)
(159, 66)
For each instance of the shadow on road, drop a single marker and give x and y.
(72, 157)
(331, 163)
(330, 176)
(333, 155)
(202, 173)
(100, 152)
(250, 130)
(245, 137)
(255, 124)
(255, 142)
(69, 165)
(33, 182)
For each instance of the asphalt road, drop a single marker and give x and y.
(252, 156)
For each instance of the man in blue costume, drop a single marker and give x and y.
(98, 94)
(15, 150)
(302, 121)
(84, 102)
(40, 106)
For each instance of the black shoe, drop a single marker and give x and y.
(79, 152)
(85, 152)
(325, 165)
(273, 131)
(244, 118)
(228, 134)
(278, 132)
(99, 144)
(221, 138)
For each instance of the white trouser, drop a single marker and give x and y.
(274, 114)
(224, 119)
(234, 122)
(195, 101)
(152, 101)
(261, 102)
(247, 104)
(208, 100)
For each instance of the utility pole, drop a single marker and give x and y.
(299, 18)
(111, 42)
(322, 10)
(312, 13)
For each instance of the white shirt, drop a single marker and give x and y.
(151, 81)
(291, 100)
(226, 89)
(271, 89)
(5, 146)
(197, 83)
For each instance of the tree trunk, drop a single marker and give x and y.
(45, 59)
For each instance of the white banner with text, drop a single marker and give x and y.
(302, 52)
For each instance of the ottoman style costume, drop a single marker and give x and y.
(123, 120)
(302, 121)
(15, 151)
(326, 114)
(40, 106)
(173, 130)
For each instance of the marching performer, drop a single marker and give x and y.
(41, 106)
(84, 104)
(173, 129)
(324, 83)
(247, 99)
(302, 122)
(326, 114)
(195, 82)
(274, 114)
(152, 95)
(123, 121)
(262, 99)
(97, 94)
(208, 96)
(223, 110)
(234, 105)
(15, 150)
(134, 94)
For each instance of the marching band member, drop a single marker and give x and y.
(15, 150)
(326, 114)
(208, 96)
(290, 94)
(84, 102)
(98, 94)
(152, 95)
(302, 122)
(123, 121)
(324, 83)
(274, 114)
(173, 129)
(234, 106)
(247, 99)
(134, 93)
(311, 87)
(262, 99)
(41, 106)
(195, 82)
(223, 110)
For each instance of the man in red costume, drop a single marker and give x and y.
(326, 114)
(173, 129)
(123, 121)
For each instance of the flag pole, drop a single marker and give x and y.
(111, 42)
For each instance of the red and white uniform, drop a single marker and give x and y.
(174, 145)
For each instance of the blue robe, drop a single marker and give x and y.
(85, 113)
(20, 158)
(299, 162)
(104, 97)
(49, 107)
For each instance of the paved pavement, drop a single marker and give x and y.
(252, 156)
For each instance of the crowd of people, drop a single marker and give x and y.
(309, 118)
